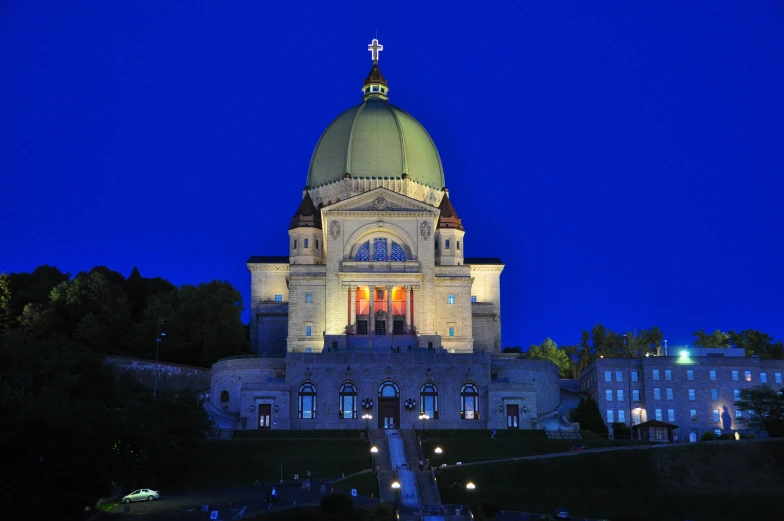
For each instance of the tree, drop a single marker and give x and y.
(715, 339)
(35, 287)
(590, 418)
(755, 342)
(514, 349)
(761, 405)
(382, 512)
(548, 350)
(6, 318)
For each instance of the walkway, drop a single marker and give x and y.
(397, 456)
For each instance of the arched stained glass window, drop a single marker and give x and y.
(398, 255)
(363, 253)
(469, 408)
(379, 249)
(307, 401)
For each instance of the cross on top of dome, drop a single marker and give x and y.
(374, 49)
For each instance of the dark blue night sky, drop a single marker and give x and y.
(625, 161)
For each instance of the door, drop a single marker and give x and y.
(362, 327)
(381, 327)
(512, 416)
(388, 413)
(265, 414)
(397, 327)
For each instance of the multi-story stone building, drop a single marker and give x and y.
(377, 301)
(694, 388)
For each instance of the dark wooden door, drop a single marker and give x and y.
(397, 327)
(362, 327)
(381, 327)
(265, 416)
(512, 416)
(388, 413)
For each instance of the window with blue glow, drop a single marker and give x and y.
(450, 299)
(363, 253)
(308, 330)
(451, 331)
(398, 255)
(379, 249)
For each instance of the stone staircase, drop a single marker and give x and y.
(379, 440)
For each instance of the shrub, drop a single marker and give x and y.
(727, 436)
(708, 436)
(336, 503)
(747, 436)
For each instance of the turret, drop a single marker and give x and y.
(449, 234)
(306, 239)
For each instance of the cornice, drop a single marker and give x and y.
(252, 266)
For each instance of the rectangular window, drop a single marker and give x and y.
(635, 376)
(380, 294)
(450, 299)
(458, 245)
(747, 376)
(738, 414)
(451, 330)
(608, 395)
(736, 394)
(717, 432)
(619, 376)
(669, 393)
(693, 414)
(278, 297)
(667, 374)
(655, 374)
(658, 414)
(309, 298)
(305, 243)
(656, 393)
(610, 416)
(295, 244)
(473, 299)
(777, 377)
(636, 395)
(670, 415)
(689, 374)
(734, 376)
(446, 244)
(764, 378)
(621, 416)
(715, 416)
(308, 330)
(619, 393)
(317, 244)
(713, 375)
(714, 394)
(692, 395)
(608, 376)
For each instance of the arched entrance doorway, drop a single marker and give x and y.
(388, 405)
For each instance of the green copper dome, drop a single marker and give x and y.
(375, 140)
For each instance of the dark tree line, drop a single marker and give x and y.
(105, 312)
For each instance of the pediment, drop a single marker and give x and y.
(380, 200)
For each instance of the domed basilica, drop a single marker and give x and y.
(377, 317)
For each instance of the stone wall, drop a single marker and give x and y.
(171, 377)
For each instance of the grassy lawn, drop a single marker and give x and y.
(257, 434)
(366, 484)
(704, 481)
(507, 444)
(218, 464)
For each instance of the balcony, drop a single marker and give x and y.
(379, 267)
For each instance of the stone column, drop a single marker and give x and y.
(372, 317)
(407, 289)
(352, 311)
(389, 310)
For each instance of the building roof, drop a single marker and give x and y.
(268, 259)
(448, 217)
(375, 140)
(482, 260)
(306, 216)
(654, 423)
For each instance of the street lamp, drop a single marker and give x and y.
(470, 486)
(373, 452)
(367, 404)
(424, 417)
(367, 418)
(438, 450)
(396, 487)
(158, 339)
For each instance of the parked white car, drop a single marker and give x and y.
(143, 494)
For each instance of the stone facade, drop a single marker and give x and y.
(695, 392)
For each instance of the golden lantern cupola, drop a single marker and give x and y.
(375, 85)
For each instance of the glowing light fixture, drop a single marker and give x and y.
(470, 486)
(684, 354)
(438, 450)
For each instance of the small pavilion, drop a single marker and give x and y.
(654, 430)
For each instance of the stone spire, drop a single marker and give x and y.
(307, 215)
(448, 217)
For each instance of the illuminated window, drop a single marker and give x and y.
(619, 394)
(692, 395)
(689, 374)
(610, 416)
(670, 415)
(379, 249)
(656, 393)
(667, 374)
(308, 330)
(388, 390)
(714, 394)
(717, 432)
(446, 244)
(777, 377)
(305, 243)
(734, 376)
(669, 394)
(747, 376)
(658, 414)
(307, 401)
(635, 376)
(716, 416)
(469, 406)
(608, 376)
(693, 414)
(608, 395)
(450, 299)
(428, 400)
(764, 378)
(713, 374)
(655, 374)
(451, 330)
(363, 253)
(309, 298)
(278, 297)
(473, 299)
(736, 394)
(619, 376)
(375, 88)
(398, 255)
(621, 416)
(348, 401)
(636, 395)
(738, 414)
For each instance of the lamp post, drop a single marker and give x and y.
(373, 452)
(367, 418)
(424, 417)
(396, 487)
(367, 406)
(470, 486)
(158, 339)
(439, 450)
